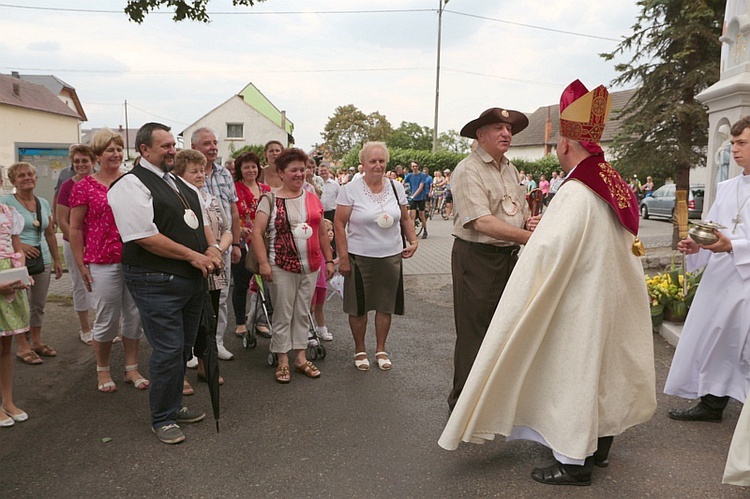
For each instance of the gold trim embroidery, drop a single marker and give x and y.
(617, 189)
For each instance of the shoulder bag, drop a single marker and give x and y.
(251, 260)
(35, 266)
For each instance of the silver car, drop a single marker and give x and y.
(661, 202)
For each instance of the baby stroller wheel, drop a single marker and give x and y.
(273, 359)
(249, 340)
(321, 352)
(312, 353)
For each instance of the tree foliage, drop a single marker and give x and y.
(426, 158)
(664, 130)
(195, 10)
(349, 127)
(256, 148)
(410, 135)
(537, 167)
(452, 141)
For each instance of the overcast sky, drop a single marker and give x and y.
(310, 62)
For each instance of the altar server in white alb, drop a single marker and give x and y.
(712, 360)
(559, 364)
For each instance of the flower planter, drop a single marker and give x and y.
(675, 311)
(657, 316)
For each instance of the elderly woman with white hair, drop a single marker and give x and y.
(37, 238)
(371, 222)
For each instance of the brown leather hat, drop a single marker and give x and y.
(517, 120)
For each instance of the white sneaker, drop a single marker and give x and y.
(311, 341)
(224, 354)
(193, 363)
(323, 333)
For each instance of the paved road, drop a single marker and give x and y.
(348, 434)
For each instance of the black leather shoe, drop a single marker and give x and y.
(698, 413)
(602, 463)
(556, 475)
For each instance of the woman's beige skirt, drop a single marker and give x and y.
(374, 284)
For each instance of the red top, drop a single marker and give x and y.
(605, 182)
(247, 204)
(100, 234)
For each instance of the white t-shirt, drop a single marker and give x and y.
(364, 236)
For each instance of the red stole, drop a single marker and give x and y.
(599, 176)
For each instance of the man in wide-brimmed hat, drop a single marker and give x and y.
(491, 221)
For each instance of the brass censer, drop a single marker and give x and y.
(703, 232)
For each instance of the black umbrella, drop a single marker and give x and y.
(205, 347)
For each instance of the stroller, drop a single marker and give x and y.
(315, 349)
(249, 340)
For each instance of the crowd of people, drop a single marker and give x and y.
(149, 249)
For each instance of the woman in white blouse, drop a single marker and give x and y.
(371, 220)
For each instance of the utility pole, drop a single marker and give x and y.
(441, 6)
(127, 132)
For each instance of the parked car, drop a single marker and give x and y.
(661, 202)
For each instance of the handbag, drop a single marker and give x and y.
(36, 265)
(251, 260)
(400, 229)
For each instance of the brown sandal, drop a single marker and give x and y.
(187, 389)
(30, 358)
(283, 375)
(45, 351)
(308, 369)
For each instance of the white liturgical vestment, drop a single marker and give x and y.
(568, 356)
(713, 355)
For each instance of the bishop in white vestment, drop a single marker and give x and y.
(568, 357)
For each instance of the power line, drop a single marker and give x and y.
(262, 71)
(156, 115)
(572, 33)
(281, 71)
(222, 13)
(283, 13)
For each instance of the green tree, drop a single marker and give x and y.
(452, 141)
(256, 148)
(194, 10)
(349, 127)
(664, 130)
(378, 127)
(410, 135)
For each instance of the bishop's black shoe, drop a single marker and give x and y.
(558, 475)
(698, 413)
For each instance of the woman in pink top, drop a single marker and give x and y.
(83, 160)
(97, 249)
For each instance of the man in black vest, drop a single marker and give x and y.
(166, 256)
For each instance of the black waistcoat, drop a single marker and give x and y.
(169, 212)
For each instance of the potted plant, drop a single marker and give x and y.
(667, 297)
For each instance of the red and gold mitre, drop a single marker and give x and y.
(583, 114)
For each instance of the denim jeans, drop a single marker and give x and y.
(170, 307)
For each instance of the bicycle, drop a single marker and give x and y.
(437, 204)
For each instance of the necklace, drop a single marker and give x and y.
(738, 219)
(508, 205)
(189, 217)
(32, 210)
(300, 230)
(384, 220)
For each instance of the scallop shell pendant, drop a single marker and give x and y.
(190, 219)
(302, 231)
(384, 220)
(36, 223)
(509, 206)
